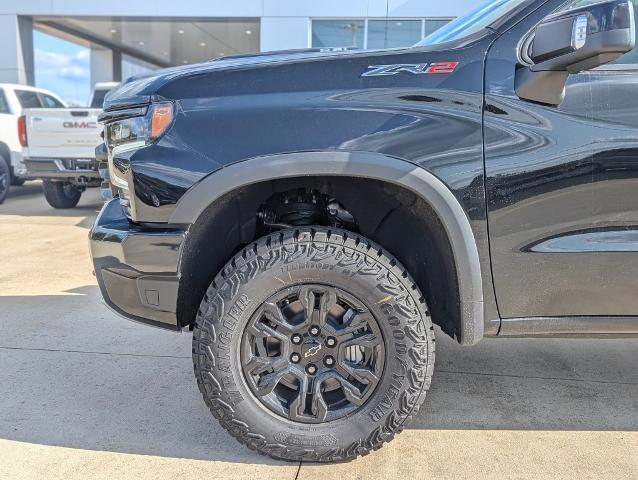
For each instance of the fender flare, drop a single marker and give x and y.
(364, 165)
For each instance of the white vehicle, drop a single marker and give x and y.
(59, 148)
(99, 92)
(13, 99)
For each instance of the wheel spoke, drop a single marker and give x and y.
(268, 382)
(274, 314)
(259, 365)
(366, 340)
(318, 406)
(363, 375)
(353, 321)
(327, 301)
(349, 390)
(307, 299)
(298, 405)
(260, 346)
(260, 329)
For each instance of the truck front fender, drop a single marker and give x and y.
(361, 165)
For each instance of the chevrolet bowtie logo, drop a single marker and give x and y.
(312, 350)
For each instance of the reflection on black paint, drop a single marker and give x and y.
(593, 241)
(562, 183)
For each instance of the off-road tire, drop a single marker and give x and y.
(5, 178)
(330, 257)
(17, 181)
(61, 194)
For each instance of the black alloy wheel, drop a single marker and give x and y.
(313, 353)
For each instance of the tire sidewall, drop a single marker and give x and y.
(389, 295)
(56, 195)
(4, 168)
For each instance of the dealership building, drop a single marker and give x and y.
(127, 38)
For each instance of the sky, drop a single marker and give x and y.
(62, 67)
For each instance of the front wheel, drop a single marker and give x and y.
(17, 181)
(61, 194)
(313, 344)
(5, 178)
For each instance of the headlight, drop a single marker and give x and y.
(128, 134)
(140, 131)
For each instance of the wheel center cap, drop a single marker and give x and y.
(310, 348)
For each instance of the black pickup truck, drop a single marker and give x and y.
(310, 215)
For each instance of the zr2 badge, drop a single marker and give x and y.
(414, 68)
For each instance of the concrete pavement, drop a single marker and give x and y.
(85, 394)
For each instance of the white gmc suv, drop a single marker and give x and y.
(13, 99)
(59, 148)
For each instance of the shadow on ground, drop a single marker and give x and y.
(75, 375)
(28, 189)
(28, 200)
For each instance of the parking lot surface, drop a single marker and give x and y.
(85, 394)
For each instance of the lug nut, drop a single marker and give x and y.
(295, 358)
(314, 330)
(331, 341)
(311, 369)
(329, 361)
(297, 339)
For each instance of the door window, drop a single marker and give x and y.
(4, 105)
(28, 99)
(50, 102)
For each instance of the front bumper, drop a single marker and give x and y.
(136, 268)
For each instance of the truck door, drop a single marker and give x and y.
(562, 194)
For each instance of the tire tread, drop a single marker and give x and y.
(267, 250)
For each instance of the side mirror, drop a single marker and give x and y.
(570, 42)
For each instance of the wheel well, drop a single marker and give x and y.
(400, 221)
(5, 152)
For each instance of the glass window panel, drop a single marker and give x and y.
(393, 33)
(4, 105)
(337, 33)
(28, 99)
(432, 26)
(98, 98)
(50, 102)
(474, 21)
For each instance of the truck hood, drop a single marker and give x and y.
(253, 59)
(138, 90)
(244, 59)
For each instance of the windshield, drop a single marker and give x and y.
(98, 98)
(479, 18)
